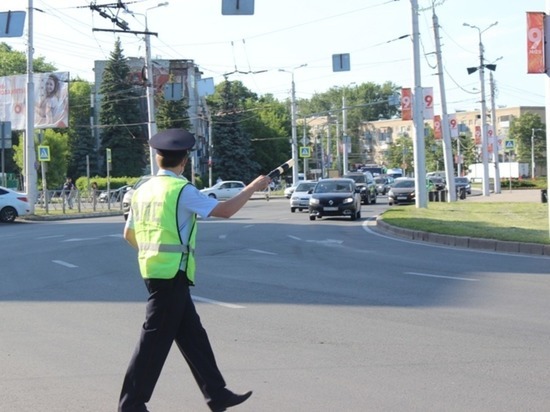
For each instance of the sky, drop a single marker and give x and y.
(300, 37)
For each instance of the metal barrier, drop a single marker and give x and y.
(80, 201)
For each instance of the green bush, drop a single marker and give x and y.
(116, 182)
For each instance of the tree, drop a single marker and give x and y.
(269, 126)
(521, 130)
(57, 166)
(365, 102)
(80, 139)
(122, 129)
(401, 154)
(15, 62)
(172, 114)
(233, 155)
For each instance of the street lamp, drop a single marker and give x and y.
(533, 151)
(294, 144)
(481, 68)
(345, 131)
(151, 124)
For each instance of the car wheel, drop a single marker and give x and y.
(359, 214)
(311, 217)
(354, 215)
(212, 195)
(8, 214)
(292, 209)
(374, 199)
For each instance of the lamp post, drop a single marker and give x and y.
(481, 68)
(533, 151)
(345, 137)
(294, 144)
(151, 123)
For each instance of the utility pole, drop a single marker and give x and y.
(447, 148)
(418, 120)
(344, 135)
(495, 134)
(30, 158)
(150, 90)
(294, 141)
(481, 68)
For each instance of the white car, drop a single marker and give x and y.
(225, 189)
(300, 197)
(289, 190)
(12, 205)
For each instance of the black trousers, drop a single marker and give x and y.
(170, 316)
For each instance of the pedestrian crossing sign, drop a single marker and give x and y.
(43, 153)
(509, 144)
(305, 151)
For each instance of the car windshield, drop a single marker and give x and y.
(380, 180)
(461, 179)
(404, 183)
(304, 187)
(361, 178)
(331, 187)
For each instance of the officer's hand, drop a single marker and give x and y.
(260, 183)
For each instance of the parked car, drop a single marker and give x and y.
(127, 198)
(301, 195)
(335, 197)
(402, 191)
(463, 182)
(224, 190)
(365, 182)
(438, 182)
(383, 184)
(12, 205)
(116, 195)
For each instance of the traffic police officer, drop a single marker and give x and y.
(162, 226)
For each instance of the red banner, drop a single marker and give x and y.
(535, 43)
(406, 104)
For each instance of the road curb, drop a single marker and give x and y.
(465, 242)
(70, 216)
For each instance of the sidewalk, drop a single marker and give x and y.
(507, 195)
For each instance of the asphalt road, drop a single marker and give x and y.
(313, 316)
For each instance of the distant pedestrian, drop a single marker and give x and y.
(68, 192)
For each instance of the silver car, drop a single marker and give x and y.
(300, 197)
(225, 189)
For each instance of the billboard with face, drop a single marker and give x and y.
(51, 100)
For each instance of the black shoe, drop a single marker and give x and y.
(231, 400)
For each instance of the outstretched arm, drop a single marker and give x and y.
(230, 207)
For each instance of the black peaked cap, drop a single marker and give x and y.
(172, 140)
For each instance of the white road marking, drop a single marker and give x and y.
(441, 276)
(222, 236)
(248, 226)
(327, 242)
(265, 252)
(49, 237)
(294, 237)
(216, 302)
(76, 239)
(63, 263)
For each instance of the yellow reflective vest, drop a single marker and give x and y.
(155, 213)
